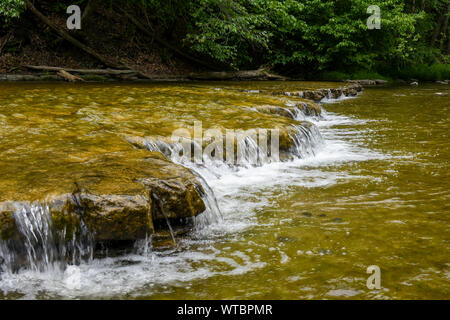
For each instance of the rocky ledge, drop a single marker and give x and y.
(126, 205)
(319, 94)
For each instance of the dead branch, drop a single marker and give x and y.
(69, 77)
(83, 71)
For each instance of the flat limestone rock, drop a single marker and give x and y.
(319, 94)
(116, 201)
(286, 134)
(307, 107)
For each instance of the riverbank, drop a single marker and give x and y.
(114, 75)
(129, 38)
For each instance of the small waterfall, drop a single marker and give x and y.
(302, 113)
(329, 94)
(35, 225)
(163, 211)
(212, 213)
(174, 152)
(306, 141)
(144, 247)
(248, 152)
(39, 246)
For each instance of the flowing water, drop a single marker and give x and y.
(369, 186)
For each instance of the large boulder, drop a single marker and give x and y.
(118, 204)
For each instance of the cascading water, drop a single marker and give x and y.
(306, 141)
(305, 138)
(163, 211)
(222, 185)
(39, 247)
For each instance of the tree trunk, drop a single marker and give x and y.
(422, 6)
(83, 71)
(4, 41)
(177, 51)
(71, 39)
(444, 30)
(448, 46)
(438, 28)
(90, 7)
(413, 7)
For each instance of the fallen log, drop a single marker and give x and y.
(69, 77)
(83, 71)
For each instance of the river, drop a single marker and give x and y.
(374, 191)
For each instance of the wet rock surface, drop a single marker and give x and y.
(115, 207)
(319, 94)
(308, 108)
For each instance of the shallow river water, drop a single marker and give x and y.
(376, 192)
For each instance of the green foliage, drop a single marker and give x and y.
(333, 34)
(11, 8)
(293, 36)
(301, 36)
(358, 75)
(423, 72)
(230, 31)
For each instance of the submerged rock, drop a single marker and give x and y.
(286, 239)
(281, 111)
